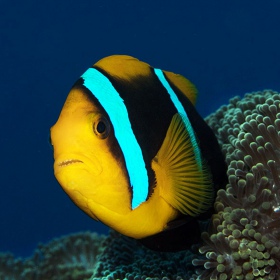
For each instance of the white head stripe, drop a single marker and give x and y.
(103, 90)
(178, 105)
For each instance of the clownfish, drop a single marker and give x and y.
(131, 151)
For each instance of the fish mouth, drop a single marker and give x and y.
(68, 162)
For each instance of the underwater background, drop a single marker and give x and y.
(226, 48)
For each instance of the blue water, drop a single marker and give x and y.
(225, 47)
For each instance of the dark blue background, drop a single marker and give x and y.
(225, 47)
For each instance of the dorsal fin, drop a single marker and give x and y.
(123, 66)
(183, 84)
(183, 183)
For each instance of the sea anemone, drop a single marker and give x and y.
(244, 242)
(70, 257)
(10, 268)
(125, 258)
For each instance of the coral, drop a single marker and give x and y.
(245, 239)
(125, 258)
(71, 257)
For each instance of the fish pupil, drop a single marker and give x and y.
(101, 127)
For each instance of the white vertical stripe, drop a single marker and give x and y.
(178, 105)
(103, 90)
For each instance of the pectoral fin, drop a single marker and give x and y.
(184, 182)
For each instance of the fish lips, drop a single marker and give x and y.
(68, 162)
(73, 161)
(64, 164)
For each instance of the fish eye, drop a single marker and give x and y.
(101, 128)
